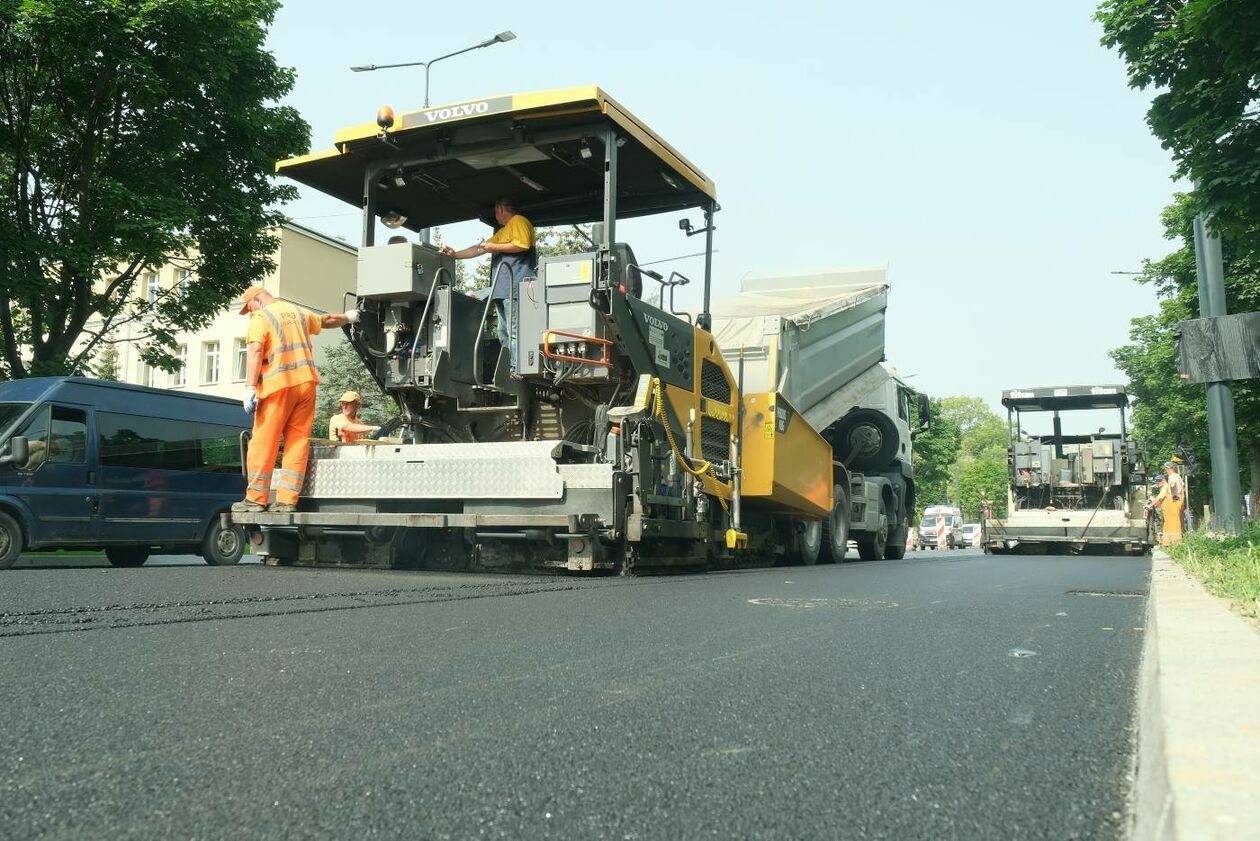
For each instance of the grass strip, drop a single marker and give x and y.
(1228, 565)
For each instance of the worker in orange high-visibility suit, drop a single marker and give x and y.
(281, 378)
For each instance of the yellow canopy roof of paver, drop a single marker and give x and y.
(449, 163)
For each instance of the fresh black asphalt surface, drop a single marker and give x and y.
(949, 695)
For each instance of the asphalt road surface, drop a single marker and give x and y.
(949, 695)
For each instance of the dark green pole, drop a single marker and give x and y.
(1222, 428)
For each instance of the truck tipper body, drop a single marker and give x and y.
(816, 339)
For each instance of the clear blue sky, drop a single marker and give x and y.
(989, 153)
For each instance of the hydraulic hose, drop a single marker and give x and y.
(704, 467)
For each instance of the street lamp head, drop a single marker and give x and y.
(363, 68)
(506, 35)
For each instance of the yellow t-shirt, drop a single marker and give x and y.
(336, 433)
(517, 231)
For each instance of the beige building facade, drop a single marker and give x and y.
(312, 269)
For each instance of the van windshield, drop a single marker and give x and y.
(9, 412)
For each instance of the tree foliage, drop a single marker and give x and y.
(1202, 56)
(935, 451)
(106, 366)
(1169, 412)
(133, 132)
(961, 459)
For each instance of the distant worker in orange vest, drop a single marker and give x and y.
(281, 377)
(346, 426)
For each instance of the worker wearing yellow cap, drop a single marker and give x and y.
(280, 377)
(346, 426)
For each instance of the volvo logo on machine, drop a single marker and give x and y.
(659, 323)
(461, 111)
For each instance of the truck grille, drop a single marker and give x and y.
(715, 439)
(713, 384)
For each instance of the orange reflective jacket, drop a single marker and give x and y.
(284, 331)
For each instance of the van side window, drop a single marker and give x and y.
(68, 443)
(159, 444)
(36, 433)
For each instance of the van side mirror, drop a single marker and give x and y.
(19, 451)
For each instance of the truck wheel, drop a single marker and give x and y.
(810, 543)
(127, 556)
(223, 547)
(867, 439)
(871, 547)
(835, 542)
(10, 540)
(896, 551)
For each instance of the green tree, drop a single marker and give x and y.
(979, 469)
(984, 478)
(935, 452)
(105, 366)
(1201, 56)
(1167, 410)
(132, 132)
(342, 370)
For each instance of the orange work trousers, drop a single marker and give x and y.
(289, 412)
(1171, 509)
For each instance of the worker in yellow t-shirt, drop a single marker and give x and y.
(513, 259)
(346, 426)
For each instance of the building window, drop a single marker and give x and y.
(180, 377)
(182, 282)
(151, 287)
(238, 373)
(210, 356)
(148, 375)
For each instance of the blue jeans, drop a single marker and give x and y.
(506, 335)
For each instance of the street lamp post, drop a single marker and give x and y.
(503, 37)
(506, 35)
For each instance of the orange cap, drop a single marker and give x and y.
(250, 294)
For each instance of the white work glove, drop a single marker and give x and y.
(251, 400)
(352, 316)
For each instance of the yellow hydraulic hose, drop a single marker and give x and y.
(705, 467)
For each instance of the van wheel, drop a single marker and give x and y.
(10, 540)
(127, 556)
(223, 547)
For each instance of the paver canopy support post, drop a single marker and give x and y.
(1222, 428)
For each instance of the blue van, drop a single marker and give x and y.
(92, 464)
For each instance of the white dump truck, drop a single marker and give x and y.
(817, 339)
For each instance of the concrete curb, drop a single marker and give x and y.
(1198, 774)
